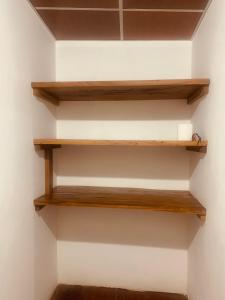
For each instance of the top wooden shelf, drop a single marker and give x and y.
(190, 89)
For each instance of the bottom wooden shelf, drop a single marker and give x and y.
(152, 200)
(72, 292)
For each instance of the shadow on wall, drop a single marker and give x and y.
(125, 227)
(51, 109)
(122, 162)
(125, 110)
(49, 216)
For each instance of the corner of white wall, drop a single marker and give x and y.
(207, 250)
(28, 244)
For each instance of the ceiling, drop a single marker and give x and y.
(122, 19)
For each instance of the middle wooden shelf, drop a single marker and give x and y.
(197, 146)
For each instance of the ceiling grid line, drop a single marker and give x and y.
(118, 9)
(164, 10)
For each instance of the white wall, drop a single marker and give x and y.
(131, 249)
(123, 60)
(123, 120)
(27, 242)
(207, 251)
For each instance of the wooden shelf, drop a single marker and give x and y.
(152, 200)
(190, 89)
(66, 292)
(189, 145)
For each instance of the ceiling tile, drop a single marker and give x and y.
(77, 3)
(160, 25)
(82, 25)
(166, 4)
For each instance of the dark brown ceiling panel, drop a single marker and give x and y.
(166, 4)
(160, 25)
(77, 3)
(82, 25)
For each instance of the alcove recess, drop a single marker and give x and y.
(152, 200)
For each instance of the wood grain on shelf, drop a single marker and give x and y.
(189, 89)
(152, 200)
(148, 143)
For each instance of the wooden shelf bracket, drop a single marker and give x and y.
(46, 96)
(199, 93)
(39, 207)
(200, 149)
(48, 149)
(48, 171)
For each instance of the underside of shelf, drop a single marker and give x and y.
(189, 89)
(130, 198)
(198, 146)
